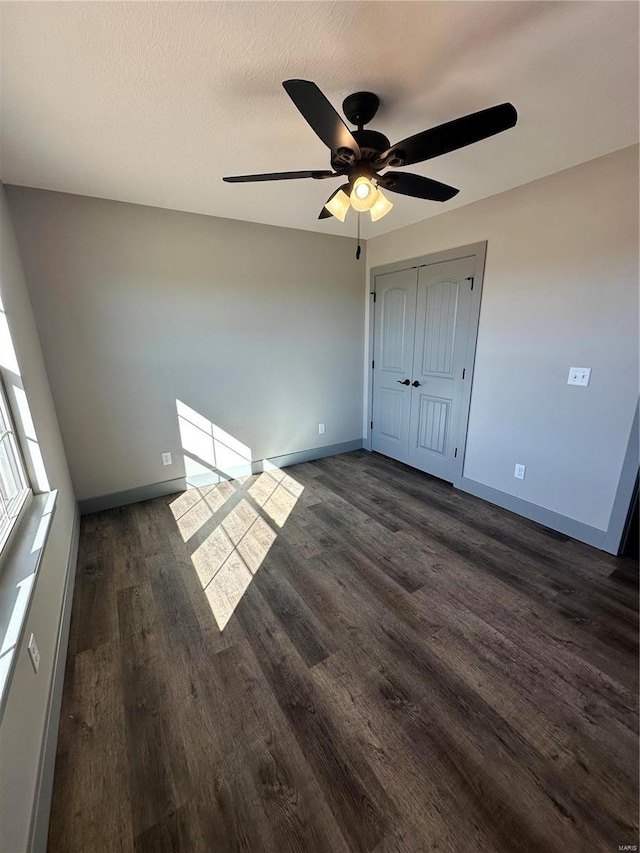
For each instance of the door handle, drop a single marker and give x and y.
(403, 381)
(416, 384)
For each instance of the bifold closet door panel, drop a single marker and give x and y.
(439, 366)
(395, 317)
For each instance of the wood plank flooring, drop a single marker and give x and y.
(401, 668)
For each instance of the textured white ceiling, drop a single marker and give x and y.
(154, 102)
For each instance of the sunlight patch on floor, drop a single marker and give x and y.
(232, 512)
(276, 493)
(197, 505)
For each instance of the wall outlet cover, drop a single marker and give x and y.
(520, 471)
(321, 429)
(34, 652)
(166, 458)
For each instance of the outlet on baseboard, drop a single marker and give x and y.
(520, 471)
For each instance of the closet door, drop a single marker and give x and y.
(439, 374)
(395, 317)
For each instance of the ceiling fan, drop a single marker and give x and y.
(361, 155)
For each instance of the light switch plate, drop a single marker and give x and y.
(321, 429)
(579, 376)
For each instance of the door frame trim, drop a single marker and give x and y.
(623, 501)
(455, 254)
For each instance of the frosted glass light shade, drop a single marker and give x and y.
(381, 207)
(338, 205)
(363, 194)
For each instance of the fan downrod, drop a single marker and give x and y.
(360, 107)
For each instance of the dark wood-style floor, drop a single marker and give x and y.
(408, 669)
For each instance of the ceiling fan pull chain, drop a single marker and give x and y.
(359, 249)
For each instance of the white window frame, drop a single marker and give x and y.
(12, 509)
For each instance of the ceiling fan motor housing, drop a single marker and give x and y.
(371, 143)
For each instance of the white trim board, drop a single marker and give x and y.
(179, 484)
(609, 540)
(624, 494)
(44, 787)
(21, 570)
(555, 521)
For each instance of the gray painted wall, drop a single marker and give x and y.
(23, 721)
(560, 290)
(256, 328)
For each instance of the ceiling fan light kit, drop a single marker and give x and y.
(338, 205)
(363, 195)
(362, 155)
(381, 207)
(374, 201)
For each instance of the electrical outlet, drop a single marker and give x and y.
(34, 652)
(321, 429)
(166, 458)
(579, 376)
(520, 471)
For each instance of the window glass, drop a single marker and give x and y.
(14, 487)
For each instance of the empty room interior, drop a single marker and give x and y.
(319, 426)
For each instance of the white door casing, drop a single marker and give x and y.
(435, 302)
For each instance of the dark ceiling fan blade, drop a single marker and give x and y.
(324, 213)
(322, 117)
(417, 186)
(280, 176)
(451, 136)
